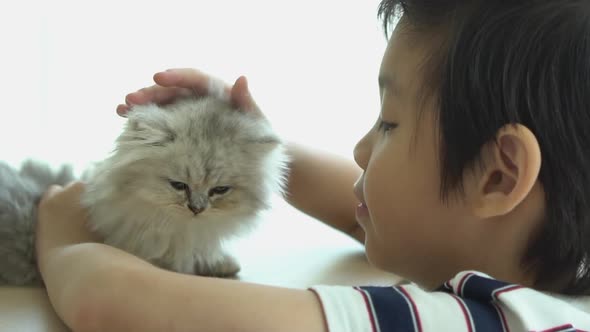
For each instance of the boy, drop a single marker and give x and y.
(473, 185)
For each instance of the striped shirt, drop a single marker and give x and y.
(472, 301)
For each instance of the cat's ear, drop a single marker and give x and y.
(148, 126)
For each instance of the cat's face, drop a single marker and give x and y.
(182, 165)
(188, 187)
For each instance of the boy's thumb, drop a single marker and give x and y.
(241, 97)
(52, 190)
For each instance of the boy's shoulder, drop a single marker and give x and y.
(471, 301)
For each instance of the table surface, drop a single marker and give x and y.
(287, 249)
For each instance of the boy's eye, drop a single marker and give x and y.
(219, 190)
(386, 126)
(178, 185)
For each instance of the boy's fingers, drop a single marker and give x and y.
(141, 96)
(122, 110)
(179, 82)
(48, 197)
(184, 78)
(51, 191)
(156, 94)
(241, 96)
(190, 78)
(73, 188)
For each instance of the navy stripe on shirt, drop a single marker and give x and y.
(396, 311)
(393, 310)
(483, 289)
(480, 316)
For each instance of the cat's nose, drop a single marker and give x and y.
(196, 209)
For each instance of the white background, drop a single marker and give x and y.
(65, 65)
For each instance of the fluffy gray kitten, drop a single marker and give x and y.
(20, 192)
(183, 178)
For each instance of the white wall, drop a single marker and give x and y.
(65, 65)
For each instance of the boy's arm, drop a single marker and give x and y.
(320, 185)
(95, 287)
(105, 289)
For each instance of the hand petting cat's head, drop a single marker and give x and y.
(196, 159)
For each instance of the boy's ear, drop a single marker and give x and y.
(512, 165)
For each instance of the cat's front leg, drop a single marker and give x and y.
(223, 266)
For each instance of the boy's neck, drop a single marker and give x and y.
(493, 246)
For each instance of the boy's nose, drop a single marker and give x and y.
(362, 152)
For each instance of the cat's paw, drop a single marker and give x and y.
(226, 267)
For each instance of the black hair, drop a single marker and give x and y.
(517, 62)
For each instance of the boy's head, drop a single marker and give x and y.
(480, 156)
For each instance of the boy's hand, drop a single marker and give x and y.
(62, 219)
(174, 83)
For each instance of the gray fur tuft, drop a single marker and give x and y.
(19, 195)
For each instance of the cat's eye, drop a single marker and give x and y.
(178, 185)
(219, 190)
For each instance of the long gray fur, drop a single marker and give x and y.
(20, 192)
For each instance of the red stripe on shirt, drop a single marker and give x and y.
(559, 328)
(461, 282)
(369, 308)
(495, 294)
(449, 286)
(465, 313)
(414, 308)
(502, 317)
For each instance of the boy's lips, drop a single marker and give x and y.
(361, 210)
(359, 190)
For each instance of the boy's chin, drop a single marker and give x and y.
(376, 256)
(383, 259)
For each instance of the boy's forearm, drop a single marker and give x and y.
(176, 302)
(77, 276)
(95, 287)
(320, 185)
